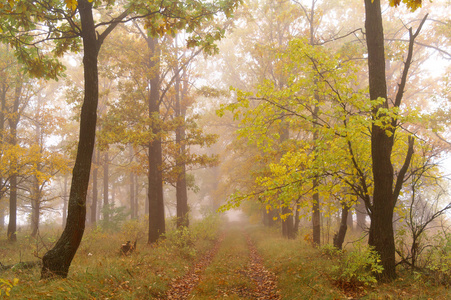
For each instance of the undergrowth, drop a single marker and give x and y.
(100, 271)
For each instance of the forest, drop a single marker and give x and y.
(225, 149)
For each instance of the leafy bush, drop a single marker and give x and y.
(181, 240)
(440, 263)
(208, 227)
(357, 267)
(330, 250)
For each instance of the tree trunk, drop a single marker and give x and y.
(2, 216)
(36, 194)
(287, 224)
(381, 228)
(339, 237)
(13, 121)
(297, 220)
(12, 225)
(350, 221)
(268, 217)
(56, 262)
(95, 191)
(133, 208)
(360, 212)
(35, 207)
(181, 189)
(2, 128)
(156, 202)
(65, 201)
(106, 202)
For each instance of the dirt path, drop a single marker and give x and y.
(265, 281)
(262, 283)
(182, 287)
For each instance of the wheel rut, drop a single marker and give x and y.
(262, 282)
(181, 288)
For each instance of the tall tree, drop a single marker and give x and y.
(385, 194)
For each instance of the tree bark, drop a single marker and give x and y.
(156, 201)
(56, 262)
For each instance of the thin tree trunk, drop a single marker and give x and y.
(339, 237)
(156, 201)
(65, 201)
(361, 214)
(180, 187)
(2, 128)
(350, 221)
(132, 186)
(95, 192)
(13, 121)
(106, 202)
(56, 262)
(35, 207)
(12, 225)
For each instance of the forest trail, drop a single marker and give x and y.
(233, 268)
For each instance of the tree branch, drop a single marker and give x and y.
(402, 172)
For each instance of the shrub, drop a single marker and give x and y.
(357, 267)
(208, 227)
(440, 263)
(330, 250)
(182, 241)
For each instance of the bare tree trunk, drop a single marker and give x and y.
(132, 176)
(65, 201)
(13, 121)
(156, 202)
(181, 189)
(287, 224)
(339, 237)
(95, 192)
(12, 226)
(350, 221)
(106, 201)
(361, 215)
(35, 207)
(56, 262)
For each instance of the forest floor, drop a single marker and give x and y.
(208, 262)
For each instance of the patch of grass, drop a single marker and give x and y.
(99, 271)
(306, 273)
(225, 277)
(301, 269)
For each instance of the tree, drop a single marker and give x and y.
(385, 193)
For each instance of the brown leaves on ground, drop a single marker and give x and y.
(182, 287)
(265, 282)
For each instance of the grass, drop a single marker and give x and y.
(304, 273)
(99, 271)
(225, 277)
